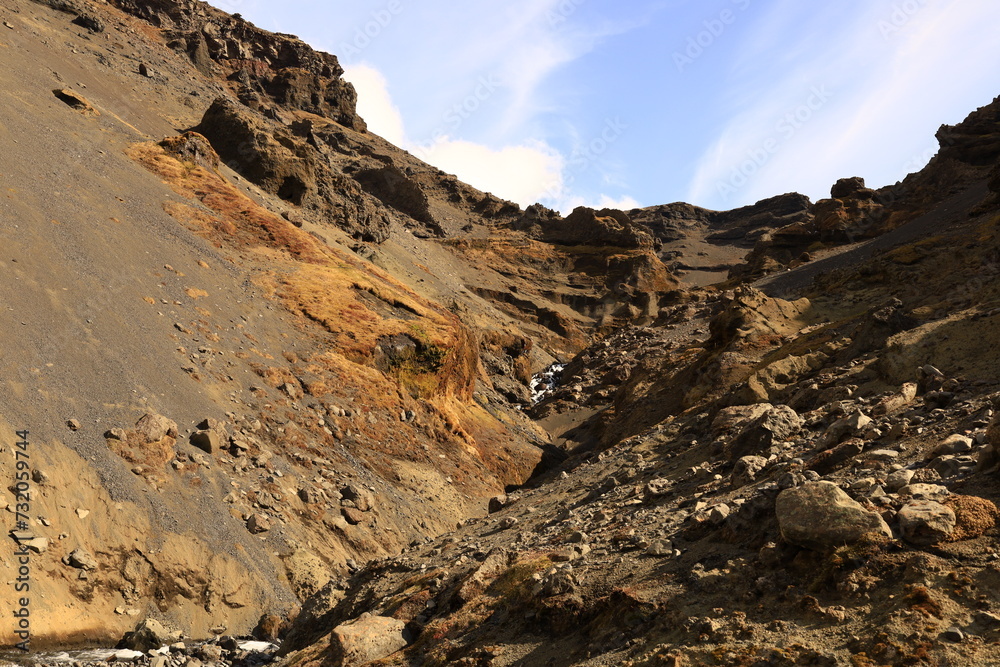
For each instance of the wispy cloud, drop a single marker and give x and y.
(878, 79)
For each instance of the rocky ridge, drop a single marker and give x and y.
(323, 430)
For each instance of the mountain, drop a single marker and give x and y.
(267, 374)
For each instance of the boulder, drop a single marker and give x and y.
(846, 187)
(953, 444)
(897, 480)
(850, 426)
(258, 523)
(497, 503)
(361, 498)
(831, 459)
(924, 491)
(365, 640)
(153, 427)
(777, 424)
(820, 516)
(895, 402)
(746, 469)
(76, 101)
(925, 522)
(352, 515)
(81, 559)
(147, 636)
(209, 441)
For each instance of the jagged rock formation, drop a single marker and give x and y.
(275, 362)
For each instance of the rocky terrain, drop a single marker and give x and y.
(276, 376)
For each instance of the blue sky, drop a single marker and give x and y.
(720, 103)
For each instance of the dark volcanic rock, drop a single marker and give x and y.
(284, 68)
(587, 227)
(743, 225)
(282, 164)
(395, 189)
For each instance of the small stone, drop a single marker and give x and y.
(353, 515)
(508, 522)
(293, 391)
(361, 498)
(954, 444)
(82, 513)
(656, 488)
(36, 544)
(660, 548)
(925, 491)
(39, 476)
(746, 470)
(953, 634)
(229, 643)
(718, 514)
(210, 652)
(153, 427)
(73, 424)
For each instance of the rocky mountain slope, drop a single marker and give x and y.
(275, 376)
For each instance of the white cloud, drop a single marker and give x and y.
(375, 104)
(520, 173)
(625, 203)
(524, 173)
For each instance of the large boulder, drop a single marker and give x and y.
(366, 639)
(820, 516)
(153, 427)
(147, 636)
(924, 522)
(777, 424)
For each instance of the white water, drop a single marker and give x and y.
(545, 382)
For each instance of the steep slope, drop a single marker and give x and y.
(801, 472)
(266, 359)
(310, 311)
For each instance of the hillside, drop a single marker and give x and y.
(275, 374)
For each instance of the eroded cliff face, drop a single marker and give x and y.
(813, 454)
(305, 304)
(264, 356)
